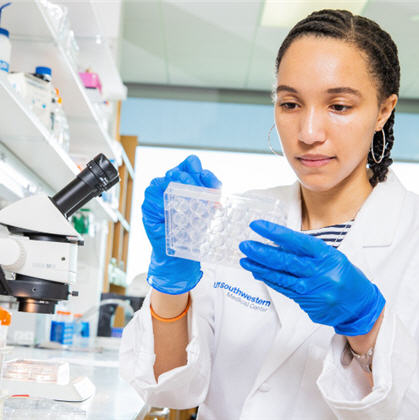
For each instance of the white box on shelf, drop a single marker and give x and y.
(36, 93)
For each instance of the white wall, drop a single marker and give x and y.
(238, 172)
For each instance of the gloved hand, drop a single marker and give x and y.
(318, 277)
(166, 274)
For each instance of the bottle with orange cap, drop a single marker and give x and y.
(5, 320)
(59, 124)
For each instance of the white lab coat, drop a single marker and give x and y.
(261, 357)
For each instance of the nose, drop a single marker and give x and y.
(311, 129)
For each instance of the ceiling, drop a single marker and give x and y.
(221, 44)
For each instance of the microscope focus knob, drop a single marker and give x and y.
(12, 254)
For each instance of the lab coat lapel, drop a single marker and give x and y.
(375, 225)
(295, 325)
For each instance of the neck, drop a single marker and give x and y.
(335, 206)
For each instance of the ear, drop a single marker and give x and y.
(386, 108)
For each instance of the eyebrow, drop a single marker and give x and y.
(285, 88)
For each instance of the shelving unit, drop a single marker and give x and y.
(27, 146)
(37, 43)
(25, 136)
(118, 238)
(34, 42)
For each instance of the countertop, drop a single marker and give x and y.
(114, 399)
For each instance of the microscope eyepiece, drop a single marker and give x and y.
(98, 176)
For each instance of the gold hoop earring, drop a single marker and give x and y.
(269, 142)
(384, 148)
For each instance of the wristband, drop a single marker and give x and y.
(176, 318)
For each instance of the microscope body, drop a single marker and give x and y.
(44, 246)
(38, 245)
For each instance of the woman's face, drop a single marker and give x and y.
(326, 111)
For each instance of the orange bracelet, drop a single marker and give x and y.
(159, 318)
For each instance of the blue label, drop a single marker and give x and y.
(4, 65)
(62, 332)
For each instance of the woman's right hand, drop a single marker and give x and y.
(166, 274)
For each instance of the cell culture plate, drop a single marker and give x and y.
(204, 225)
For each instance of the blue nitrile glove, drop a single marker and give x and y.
(166, 274)
(318, 277)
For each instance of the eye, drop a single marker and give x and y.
(288, 106)
(341, 108)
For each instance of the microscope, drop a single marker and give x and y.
(38, 245)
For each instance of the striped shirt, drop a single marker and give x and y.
(332, 235)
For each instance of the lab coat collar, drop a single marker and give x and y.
(376, 222)
(375, 225)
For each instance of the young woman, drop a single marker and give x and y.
(338, 331)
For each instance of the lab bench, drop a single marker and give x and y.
(114, 399)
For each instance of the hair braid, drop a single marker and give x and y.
(382, 59)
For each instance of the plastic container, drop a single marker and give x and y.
(91, 80)
(34, 370)
(43, 73)
(116, 275)
(5, 46)
(204, 225)
(116, 332)
(58, 16)
(42, 328)
(62, 328)
(5, 319)
(59, 125)
(36, 92)
(81, 338)
(84, 222)
(5, 50)
(112, 195)
(19, 408)
(71, 48)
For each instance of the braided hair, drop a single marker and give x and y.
(383, 65)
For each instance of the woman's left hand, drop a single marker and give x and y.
(321, 279)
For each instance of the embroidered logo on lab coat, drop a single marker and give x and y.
(235, 293)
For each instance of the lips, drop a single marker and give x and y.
(315, 157)
(315, 160)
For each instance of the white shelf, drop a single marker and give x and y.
(128, 163)
(94, 48)
(92, 37)
(123, 221)
(10, 190)
(95, 56)
(36, 44)
(30, 141)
